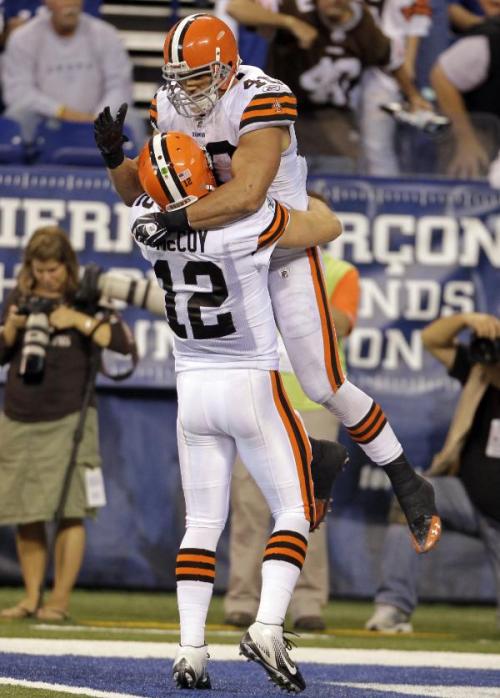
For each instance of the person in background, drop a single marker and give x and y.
(320, 49)
(65, 64)
(42, 406)
(406, 22)
(250, 516)
(466, 80)
(464, 15)
(465, 473)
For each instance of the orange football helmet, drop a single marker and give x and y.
(174, 170)
(199, 49)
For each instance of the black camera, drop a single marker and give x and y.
(483, 350)
(95, 288)
(36, 337)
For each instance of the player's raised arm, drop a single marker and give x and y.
(316, 226)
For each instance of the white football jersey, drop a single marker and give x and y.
(216, 296)
(254, 101)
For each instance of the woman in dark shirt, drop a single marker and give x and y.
(49, 346)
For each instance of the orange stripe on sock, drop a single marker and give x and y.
(373, 430)
(289, 539)
(195, 570)
(333, 365)
(286, 551)
(181, 557)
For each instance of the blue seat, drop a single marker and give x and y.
(12, 148)
(68, 143)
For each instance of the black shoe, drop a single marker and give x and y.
(421, 513)
(266, 645)
(240, 619)
(309, 623)
(329, 458)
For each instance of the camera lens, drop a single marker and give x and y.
(483, 350)
(36, 339)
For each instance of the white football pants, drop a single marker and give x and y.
(302, 313)
(224, 411)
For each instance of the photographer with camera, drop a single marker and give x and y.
(52, 343)
(465, 474)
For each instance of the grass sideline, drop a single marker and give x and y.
(142, 616)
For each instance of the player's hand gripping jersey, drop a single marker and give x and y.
(255, 101)
(216, 296)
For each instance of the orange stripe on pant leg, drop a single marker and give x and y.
(306, 488)
(332, 360)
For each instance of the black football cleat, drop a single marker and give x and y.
(328, 460)
(266, 645)
(422, 516)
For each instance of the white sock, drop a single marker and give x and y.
(283, 559)
(195, 574)
(193, 600)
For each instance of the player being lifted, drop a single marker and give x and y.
(245, 120)
(230, 394)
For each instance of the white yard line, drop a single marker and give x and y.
(424, 690)
(62, 688)
(321, 655)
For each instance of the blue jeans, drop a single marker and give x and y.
(400, 563)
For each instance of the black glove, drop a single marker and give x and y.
(153, 229)
(109, 137)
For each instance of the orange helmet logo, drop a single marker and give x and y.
(174, 170)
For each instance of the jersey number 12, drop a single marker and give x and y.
(198, 300)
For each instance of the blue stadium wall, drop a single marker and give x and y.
(423, 248)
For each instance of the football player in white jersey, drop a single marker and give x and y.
(245, 120)
(230, 394)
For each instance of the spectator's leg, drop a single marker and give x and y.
(28, 123)
(312, 591)
(489, 530)
(68, 558)
(400, 566)
(31, 543)
(250, 523)
(377, 127)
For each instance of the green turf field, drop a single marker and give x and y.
(121, 615)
